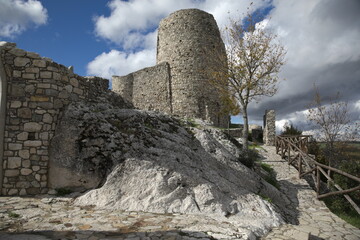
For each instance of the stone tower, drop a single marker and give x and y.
(189, 40)
(269, 134)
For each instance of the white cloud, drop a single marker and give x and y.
(133, 27)
(120, 63)
(313, 37)
(17, 15)
(129, 22)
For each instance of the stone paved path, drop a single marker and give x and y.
(310, 216)
(43, 217)
(57, 218)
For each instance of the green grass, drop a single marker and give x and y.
(271, 177)
(350, 218)
(266, 198)
(267, 167)
(13, 215)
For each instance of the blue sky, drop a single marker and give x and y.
(68, 35)
(114, 37)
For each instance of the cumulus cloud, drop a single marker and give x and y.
(132, 26)
(323, 47)
(129, 22)
(17, 15)
(321, 38)
(120, 63)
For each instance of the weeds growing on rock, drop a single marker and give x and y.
(13, 215)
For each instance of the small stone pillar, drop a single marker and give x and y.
(269, 128)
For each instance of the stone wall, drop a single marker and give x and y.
(37, 89)
(189, 40)
(148, 89)
(189, 46)
(269, 128)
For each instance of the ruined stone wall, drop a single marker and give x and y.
(37, 89)
(269, 128)
(147, 89)
(189, 40)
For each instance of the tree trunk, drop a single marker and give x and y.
(245, 129)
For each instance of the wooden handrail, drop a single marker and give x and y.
(297, 144)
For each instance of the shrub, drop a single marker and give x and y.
(62, 192)
(249, 157)
(290, 130)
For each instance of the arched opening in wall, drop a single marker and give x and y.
(3, 90)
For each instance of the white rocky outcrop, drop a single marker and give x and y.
(146, 161)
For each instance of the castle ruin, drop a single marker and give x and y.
(189, 42)
(34, 92)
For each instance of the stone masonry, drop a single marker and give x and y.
(34, 91)
(147, 89)
(189, 45)
(269, 128)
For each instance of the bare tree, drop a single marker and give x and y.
(333, 123)
(254, 59)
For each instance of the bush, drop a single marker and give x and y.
(62, 192)
(290, 130)
(248, 158)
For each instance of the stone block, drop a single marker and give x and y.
(8, 153)
(32, 143)
(15, 104)
(58, 104)
(68, 88)
(12, 173)
(28, 75)
(22, 136)
(18, 52)
(44, 136)
(56, 76)
(33, 191)
(22, 192)
(64, 94)
(26, 163)
(39, 98)
(38, 177)
(26, 171)
(14, 162)
(35, 183)
(15, 146)
(32, 127)
(23, 185)
(35, 169)
(32, 55)
(24, 154)
(78, 91)
(24, 112)
(51, 92)
(17, 90)
(43, 85)
(21, 61)
(16, 74)
(46, 74)
(30, 89)
(46, 105)
(74, 82)
(13, 191)
(32, 70)
(39, 63)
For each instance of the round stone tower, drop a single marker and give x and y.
(189, 40)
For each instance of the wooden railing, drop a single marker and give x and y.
(294, 150)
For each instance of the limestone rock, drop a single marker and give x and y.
(146, 161)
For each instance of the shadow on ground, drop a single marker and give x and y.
(101, 235)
